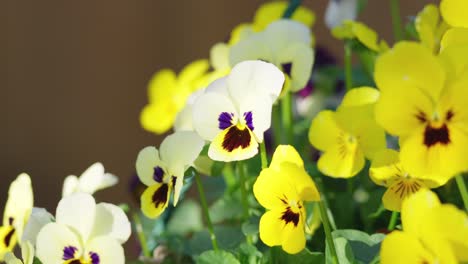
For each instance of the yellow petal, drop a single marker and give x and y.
(398, 191)
(341, 162)
(272, 11)
(366, 36)
(426, 23)
(158, 118)
(302, 182)
(193, 71)
(8, 240)
(454, 53)
(409, 64)
(454, 12)
(269, 228)
(360, 96)
(286, 153)
(233, 143)
(161, 83)
(324, 131)
(155, 199)
(455, 36)
(417, 207)
(293, 238)
(385, 166)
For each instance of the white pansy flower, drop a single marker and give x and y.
(340, 10)
(27, 253)
(163, 171)
(84, 232)
(17, 210)
(235, 111)
(93, 179)
(286, 44)
(38, 219)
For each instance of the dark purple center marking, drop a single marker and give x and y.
(8, 237)
(287, 68)
(158, 174)
(160, 195)
(433, 136)
(225, 120)
(236, 138)
(69, 252)
(94, 258)
(249, 120)
(290, 217)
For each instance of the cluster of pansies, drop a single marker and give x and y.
(278, 170)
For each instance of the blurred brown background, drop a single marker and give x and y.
(76, 75)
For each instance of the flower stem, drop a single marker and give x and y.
(201, 192)
(348, 66)
(293, 5)
(462, 188)
(276, 125)
(393, 221)
(286, 116)
(141, 235)
(244, 192)
(263, 155)
(396, 19)
(328, 234)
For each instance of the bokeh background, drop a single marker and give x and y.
(75, 77)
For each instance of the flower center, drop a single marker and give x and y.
(406, 186)
(347, 143)
(292, 212)
(69, 257)
(238, 134)
(436, 131)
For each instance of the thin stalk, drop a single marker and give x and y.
(462, 188)
(204, 204)
(328, 234)
(263, 155)
(393, 221)
(244, 193)
(293, 5)
(396, 19)
(286, 116)
(348, 66)
(141, 235)
(276, 125)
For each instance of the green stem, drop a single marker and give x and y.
(348, 65)
(462, 188)
(293, 5)
(286, 116)
(396, 19)
(263, 155)
(328, 234)
(201, 192)
(244, 191)
(141, 235)
(393, 221)
(276, 125)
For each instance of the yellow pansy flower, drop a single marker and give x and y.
(168, 94)
(430, 27)
(356, 30)
(163, 171)
(386, 170)
(348, 135)
(423, 101)
(17, 211)
(432, 233)
(454, 12)
(282, 189)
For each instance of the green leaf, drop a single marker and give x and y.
(187, 218)
(354, 246)
(304, 257)
(249, 254)
(36, 261)
(228, 238)
(227, 208)
(250, 227)
(220, 257)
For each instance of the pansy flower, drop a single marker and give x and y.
(17, 210)
(348, 135)
(168, 93)
(430, 27)
(432, 233)
(340, 10)
(163, 171)
(286, 44)
(386, 170)
(356, 30)
(27, 253)
(235, 111)
(92, 180)
(282, 189)
(84, 232)
(454, 12)
(423, 101)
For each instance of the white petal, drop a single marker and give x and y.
(261, 113)
(339, 11)
(107, 249)
(10, 258)
(179, 151)
(94, 179)
(70, 185)
(51, 242)
(255, 77)
(19, 204)
(206, 111)
(282, 33)
(111, 221)
(301, 57)
(77, 211)
(253, 47)
(27, 252)
(219, 56)
(147, 160)
(39, 218)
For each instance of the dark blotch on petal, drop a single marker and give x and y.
(174, 180)
(160, 195)
(69, 253)
(287, 68)
(225, 120)
(449, 115)
(421, 117)
(158, 174)
(11, 220)
(7, 238)
(289, 216)
(75, 261)
(249, 120)
(94, 258)
(236, 138)
(433, 136)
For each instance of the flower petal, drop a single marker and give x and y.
(158, 117)
(106, 249)
(293, 238)
(415, 208)
(337, 163)
(385, 167)
(147, 161)
(11, 259)
(255, 111)
(360, 96)
(232, 144)
(339, 11)
(8, 240)
(454, 12)
(52, 242)
(281, 33)
(402, 247)
(94, 179)
(286, 153)
(270, 227)
(70, 185)
(193, 71)
(27, 252)
(301, 57)
(155, 199)
(324, 131)
(77, 211)
(111, 221)
(39, 218)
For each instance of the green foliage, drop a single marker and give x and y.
(187, 217)
(221, 257)
(278, 256)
